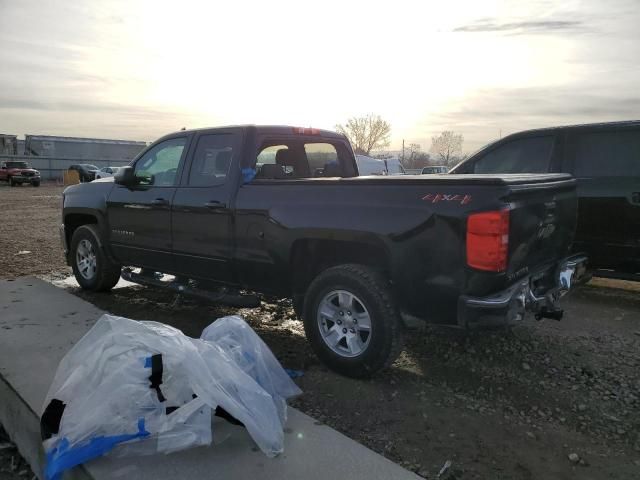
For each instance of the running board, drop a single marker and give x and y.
(222, 297)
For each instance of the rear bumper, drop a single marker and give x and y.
(529, 294)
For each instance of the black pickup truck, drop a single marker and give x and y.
(281, 210)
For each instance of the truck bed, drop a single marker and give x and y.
(418, 224)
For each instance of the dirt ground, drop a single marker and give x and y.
(498, 405)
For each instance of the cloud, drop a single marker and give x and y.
(551, 103)
(523, 27)
(484, 114)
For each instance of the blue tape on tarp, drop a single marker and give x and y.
(63, 458)
(294, 373)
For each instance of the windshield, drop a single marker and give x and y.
(17, 165)
(89, 166)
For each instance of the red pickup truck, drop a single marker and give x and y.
(18, 172)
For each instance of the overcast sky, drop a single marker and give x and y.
(137, 69)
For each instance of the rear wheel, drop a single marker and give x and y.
(91, 266)
(351, 320)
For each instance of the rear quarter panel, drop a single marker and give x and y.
(423, 238)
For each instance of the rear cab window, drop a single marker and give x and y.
(523, 155)
(295, 158)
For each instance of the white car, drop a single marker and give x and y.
(106, 172)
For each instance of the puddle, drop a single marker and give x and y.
(70, 282)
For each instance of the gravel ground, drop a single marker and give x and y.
(12, 465)
(29, 220)
(545, 400)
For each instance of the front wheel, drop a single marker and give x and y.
(91, 266)
(12, 182)
(35, 184)
(351, 320)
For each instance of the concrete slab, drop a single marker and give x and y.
(39, 323)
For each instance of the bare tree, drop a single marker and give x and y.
(447, 146)
(415, 157)
(366, 133)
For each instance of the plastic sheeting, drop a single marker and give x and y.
(137, 388)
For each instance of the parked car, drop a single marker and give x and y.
(605, 160)
(18, 172)
(281, 210)
(106, 172)
(434, 169)
(86, 171)
(378, 166)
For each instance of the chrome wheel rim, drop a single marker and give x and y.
(86, 259)
(344, 323)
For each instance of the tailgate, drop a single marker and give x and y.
(542, 224)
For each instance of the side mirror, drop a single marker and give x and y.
(125, 176)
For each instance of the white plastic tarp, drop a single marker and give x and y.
(134, 388)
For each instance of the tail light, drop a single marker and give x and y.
(488, 240)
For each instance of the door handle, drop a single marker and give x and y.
(215, 205)
(159, 202)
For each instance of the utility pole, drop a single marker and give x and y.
(403, 152)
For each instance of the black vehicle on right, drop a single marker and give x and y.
(605, 160)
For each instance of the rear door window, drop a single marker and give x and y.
(524, 155)
(212, 159)
(607, 154)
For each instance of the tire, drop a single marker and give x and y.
(12, 183)
(100, 274)
(359, 352)
(298, 305)
(35, 184)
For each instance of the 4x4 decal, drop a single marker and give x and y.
(440, 197)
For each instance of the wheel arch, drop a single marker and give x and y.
(77, 217)
(310, 256)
